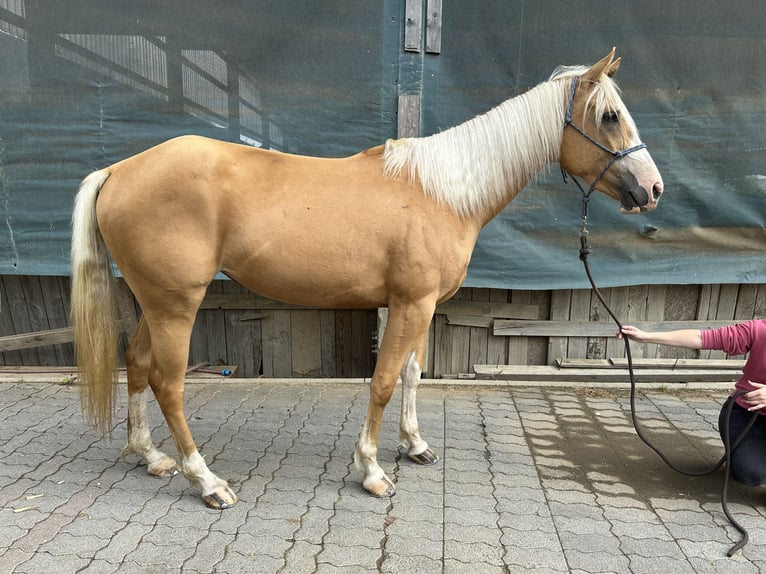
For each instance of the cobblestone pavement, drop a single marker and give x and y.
(531, 479)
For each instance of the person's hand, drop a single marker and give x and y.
(757, 398)
(633, 333)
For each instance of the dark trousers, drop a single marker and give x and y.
(748, 461)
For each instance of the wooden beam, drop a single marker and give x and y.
(511, 328)
(534, 373)
(45, 338)
(488, 309)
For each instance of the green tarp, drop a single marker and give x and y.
(86, 83)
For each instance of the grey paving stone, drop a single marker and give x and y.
(409, 564)
(349, 556)
(512, 492)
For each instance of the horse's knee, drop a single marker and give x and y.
(381, 391)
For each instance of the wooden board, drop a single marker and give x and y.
(552, 373)
(511, 328)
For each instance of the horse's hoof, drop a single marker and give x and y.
(163, 469)
(383, 488)
(426, 457)
(220, 501)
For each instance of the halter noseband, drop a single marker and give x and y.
(616, 154)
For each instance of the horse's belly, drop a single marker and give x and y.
(321, 283)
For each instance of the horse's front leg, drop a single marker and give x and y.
(409, 431)
(137, 361)
(404, 336)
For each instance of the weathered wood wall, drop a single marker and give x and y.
(477, 327)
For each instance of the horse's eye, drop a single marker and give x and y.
(610, 118)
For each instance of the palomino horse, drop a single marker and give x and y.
(392, 226)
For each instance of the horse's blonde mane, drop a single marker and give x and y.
(474, 166)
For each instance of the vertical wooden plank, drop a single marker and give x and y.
(198, 343)
(619, 303)
(67, 350)
(277, 356)
(460, 338)
(708, 310)
(560, 303)
(442, 346)
(497, 347)
(19, 313)
(363, 325)
(655, 311)
(327, 343)
(478, 336)
(596, 346)
(637, 312)
(38, 316)
(6, 326)
(243, 335)
(518, 347)
(343, 348)
(215, 329)
(413, 25)
(745, 309)
(428, 368)
(408, 116)
(759, 309)
(681, 304)
(537, 352)
(434, 27)
(579, 311)
(727, 302)
(305, 343)
(57, 313)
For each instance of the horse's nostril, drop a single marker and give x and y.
(657, 190)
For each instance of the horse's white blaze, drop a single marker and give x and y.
(409, 432)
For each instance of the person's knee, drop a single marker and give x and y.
(748, 472)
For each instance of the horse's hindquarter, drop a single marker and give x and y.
(310, 231)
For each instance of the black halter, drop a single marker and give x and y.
(616, 154)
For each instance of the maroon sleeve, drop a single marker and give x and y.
(732, 339)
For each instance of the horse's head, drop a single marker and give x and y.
(600, 143)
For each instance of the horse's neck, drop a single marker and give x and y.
(479, 166)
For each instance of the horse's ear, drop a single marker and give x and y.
(604, 66)
(613, 67)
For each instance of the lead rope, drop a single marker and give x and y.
(728, 447)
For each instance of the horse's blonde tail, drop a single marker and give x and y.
(93, 309)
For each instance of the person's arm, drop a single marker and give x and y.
(688, 338)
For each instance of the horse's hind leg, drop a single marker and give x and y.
(170, 334)
(138, 362)
(409, 431)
